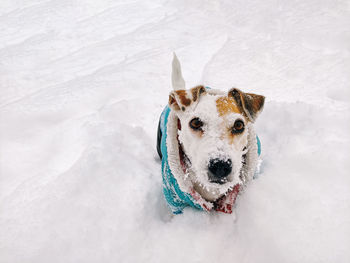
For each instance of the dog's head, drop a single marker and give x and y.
(213, 132)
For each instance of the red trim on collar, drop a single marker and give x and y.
(225, 203)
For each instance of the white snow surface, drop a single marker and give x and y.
(82, 86)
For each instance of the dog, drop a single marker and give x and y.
(207, 144)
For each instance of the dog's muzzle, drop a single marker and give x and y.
(218, 170)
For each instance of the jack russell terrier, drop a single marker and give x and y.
(207, 144)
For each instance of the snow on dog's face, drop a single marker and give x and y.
(213, 133)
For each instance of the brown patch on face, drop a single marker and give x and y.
(226, 105)
(183, 97)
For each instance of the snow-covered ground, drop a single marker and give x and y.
(82, 86)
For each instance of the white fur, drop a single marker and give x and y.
(176, 76)
(212, 144)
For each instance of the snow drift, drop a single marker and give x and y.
(82, 86)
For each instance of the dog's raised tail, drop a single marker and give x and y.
(176, 75)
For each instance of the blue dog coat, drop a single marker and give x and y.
(178, 199)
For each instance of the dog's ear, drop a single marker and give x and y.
(250, 104)
(181, 99)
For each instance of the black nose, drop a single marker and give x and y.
(220, 168)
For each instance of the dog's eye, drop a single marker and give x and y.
(238, 127)
(196, 124)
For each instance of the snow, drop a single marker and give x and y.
(82, 86)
